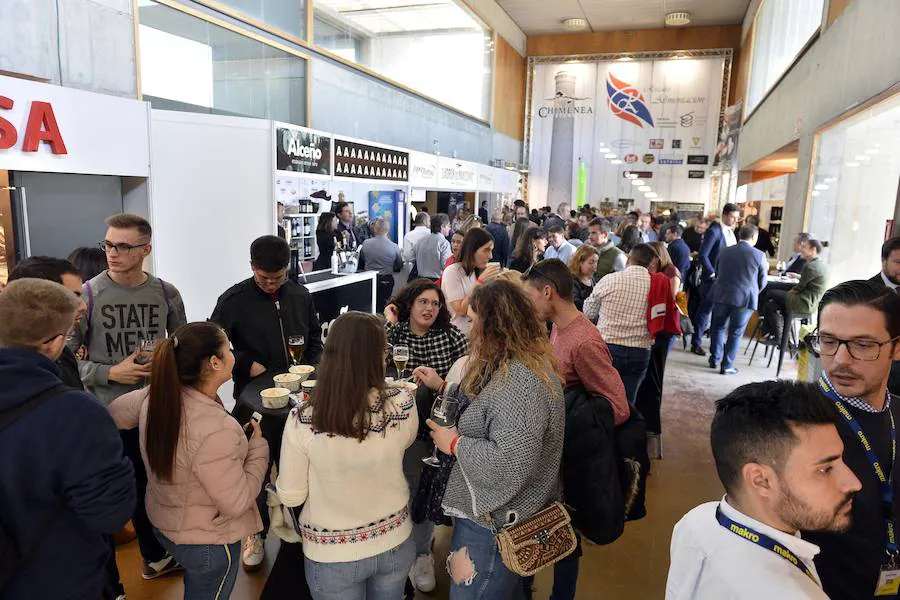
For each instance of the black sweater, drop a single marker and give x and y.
(849, 563)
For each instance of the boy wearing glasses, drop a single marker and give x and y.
(857, 340)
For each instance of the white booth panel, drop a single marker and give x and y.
(210, 197)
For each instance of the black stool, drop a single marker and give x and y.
(789, 340)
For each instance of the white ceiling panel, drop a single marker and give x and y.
(546, 16)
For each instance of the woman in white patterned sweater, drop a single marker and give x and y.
(341, 458)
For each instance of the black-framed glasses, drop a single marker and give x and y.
(828, 345)
(533, 271)
(121, 248)
(50, 339)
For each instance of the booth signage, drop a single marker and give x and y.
(300, 150)
(48, 128)
(485, 179)
(456, 174)
(423, 170)
(361, 161)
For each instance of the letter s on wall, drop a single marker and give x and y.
(8, 133)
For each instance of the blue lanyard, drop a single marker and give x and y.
(763, 541)
(884, 480)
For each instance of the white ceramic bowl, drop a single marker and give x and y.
(288, 381)
(304, 371)
(275, 397)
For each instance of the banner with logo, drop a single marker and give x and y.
(301, 150)
(658, 119)
(363, 161)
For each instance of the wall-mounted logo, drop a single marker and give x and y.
(302, 151)
(687, 119)
(671, 159)
(627, 102)
(630, 158)
(649, 158)
(657, 144)
(637, 174)
(676, 144)
(563, 106)
(698, 159)
(696, 174)
(696, 141)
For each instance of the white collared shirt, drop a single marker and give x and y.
(409, 242)
(709, 562)
(888, 282)
(728, 234)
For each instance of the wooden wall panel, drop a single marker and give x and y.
(636, 40)
(509, 91)
(835, 8)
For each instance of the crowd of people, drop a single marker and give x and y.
(549, 334)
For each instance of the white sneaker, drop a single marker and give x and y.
(422, 573)
(253, 552)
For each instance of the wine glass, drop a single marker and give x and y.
(146, 347)
(445, 413)
(401, 357)
(295, 348)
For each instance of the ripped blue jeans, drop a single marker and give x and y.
(489, 579)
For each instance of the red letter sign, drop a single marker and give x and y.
(8, 134)
(42, 127)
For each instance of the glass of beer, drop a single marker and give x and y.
(146, 347)
(296, 343)
(401, 357)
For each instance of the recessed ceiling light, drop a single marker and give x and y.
(645, 188)
(574, 24)
(610, 155)
(852, 164)
(636, 182)
(821, 187)
(872, 151)
(816, 193)
(862, 157)
(678, 19)
(650, 195)
(615, 162)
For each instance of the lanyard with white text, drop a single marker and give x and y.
(884, 481)
(763, 541)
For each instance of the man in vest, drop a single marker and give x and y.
(611, 258)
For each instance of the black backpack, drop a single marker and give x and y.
(11, 558)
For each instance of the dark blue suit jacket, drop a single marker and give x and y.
(681, 256)
(713, 244)
(741, 274)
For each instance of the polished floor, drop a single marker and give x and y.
(633, 567)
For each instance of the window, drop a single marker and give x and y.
(434, 47)
(783, 27)
(192, 65)
(288, 16)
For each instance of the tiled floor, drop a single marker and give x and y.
(635, 566)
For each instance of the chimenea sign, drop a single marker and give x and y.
(301, 150)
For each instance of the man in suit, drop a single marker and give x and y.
(741, 274)
(803, 298)
(719, 236)
(764, 243)
(796, 262)
(890, 277)
(678, 249)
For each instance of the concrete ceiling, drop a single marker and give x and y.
(546, 16)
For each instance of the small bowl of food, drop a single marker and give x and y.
(304, 371)
(275, 397)
(288, 381)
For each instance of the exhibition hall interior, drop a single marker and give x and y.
(449, 299)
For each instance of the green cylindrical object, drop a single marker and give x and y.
(581, 193)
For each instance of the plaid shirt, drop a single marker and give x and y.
(438, 349)
(859, 403)
(620, 302)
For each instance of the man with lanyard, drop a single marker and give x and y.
(857, 339)
(778, 455)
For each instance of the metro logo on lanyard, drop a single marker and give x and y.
(884, 481)
(763, 541)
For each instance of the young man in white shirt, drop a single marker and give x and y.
(778, 454)
(559, 246)
(421, 229)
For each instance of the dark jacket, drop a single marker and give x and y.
(693, 239)
(713, 243)
(590, 467)
(65, 453)
(580, 293)
(634, 464)
(258, 327)
(501, 243)
(325, 241)
(741, 275)
(68, 367)
(764, 242)
(681, 255)
(795, 264)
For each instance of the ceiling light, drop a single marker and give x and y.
(645, 188)
(852, 164)
(650, 195)
(574, 24)
(610, 155)
(636, 182)
(862, 157)
(821, 187)
(816, 193)
(873, 151)
(615, 162)
(625, 58)
(678, 19)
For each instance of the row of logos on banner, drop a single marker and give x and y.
(301, 150)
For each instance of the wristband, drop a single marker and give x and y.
(454, 444)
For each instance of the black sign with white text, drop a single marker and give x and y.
(698, 159)
(696, 174)
(302, 151)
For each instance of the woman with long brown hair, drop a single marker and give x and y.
(519, 227)
(204, 474)
(529, 249)
(341, 458)
(473, 269)
(326, 239)
(508, 441)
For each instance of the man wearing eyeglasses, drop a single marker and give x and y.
(857, 339)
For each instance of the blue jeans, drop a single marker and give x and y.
(210, 570)
(631, 363)
(491, 579)
(379, 577)
(735, 318)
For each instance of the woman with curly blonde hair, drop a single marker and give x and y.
(508, 441)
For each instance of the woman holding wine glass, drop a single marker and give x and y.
(508, 439)
(341, 459)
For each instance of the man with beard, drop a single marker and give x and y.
(778, 455)
(857, 339)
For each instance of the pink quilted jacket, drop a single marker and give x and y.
(211, 498)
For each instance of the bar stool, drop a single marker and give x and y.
(790, 335)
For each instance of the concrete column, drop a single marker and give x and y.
(562, 165)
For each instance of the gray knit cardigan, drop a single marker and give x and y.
(508, 459)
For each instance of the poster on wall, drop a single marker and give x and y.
(300, 150)
(658, 118)
(362, 161)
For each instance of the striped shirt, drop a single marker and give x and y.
(619, 303)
